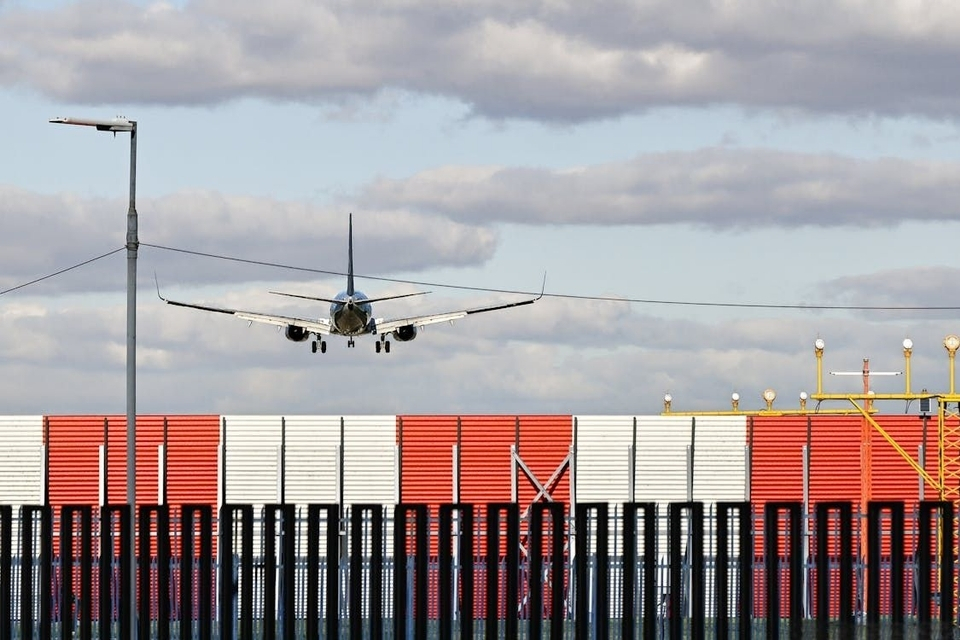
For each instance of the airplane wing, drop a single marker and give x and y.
(320, 326)
(386, 326)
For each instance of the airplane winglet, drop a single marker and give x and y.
(157, 281)
(543, 287)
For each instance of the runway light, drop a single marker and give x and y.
(667, 399)
(818, 344)
(803, 400)
(907, 344)
(951, 343)
(769, 395)
(735, 401)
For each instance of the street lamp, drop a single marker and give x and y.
(116, 125)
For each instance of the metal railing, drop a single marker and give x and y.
(637, 570)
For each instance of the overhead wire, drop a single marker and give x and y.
(566, 296)
(60, 271)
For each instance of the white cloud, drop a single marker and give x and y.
(542, 60)
(715, 187)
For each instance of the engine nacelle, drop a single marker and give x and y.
(296, 334)
(405, 333)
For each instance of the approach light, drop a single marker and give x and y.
(951, 343)
(907, 344)
(818, 344)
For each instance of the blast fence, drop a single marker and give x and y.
(635, 570)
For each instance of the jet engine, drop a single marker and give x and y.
(405, 333)
(296, 334)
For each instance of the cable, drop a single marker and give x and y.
(61, 271)
(566, 296)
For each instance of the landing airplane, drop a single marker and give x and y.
(351, 314)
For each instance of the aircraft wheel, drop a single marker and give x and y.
(313, 346)
(323, 346)
(386, 346)
(378, 346)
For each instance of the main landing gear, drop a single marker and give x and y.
(319, 343)
(383, 344)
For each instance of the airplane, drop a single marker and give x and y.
(351, 314)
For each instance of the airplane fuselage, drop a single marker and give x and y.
(350, 315)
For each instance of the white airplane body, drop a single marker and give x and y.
(351, 315)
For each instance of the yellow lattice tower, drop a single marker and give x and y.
(948, 446)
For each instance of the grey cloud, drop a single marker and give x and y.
(71, 360)
(720, 188)
(540, 60)
(41, 234)
(930, 286)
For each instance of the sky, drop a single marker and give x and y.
(722, 154)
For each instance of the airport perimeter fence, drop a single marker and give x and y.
(636, 570)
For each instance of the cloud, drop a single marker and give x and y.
(42, 234)
(554, 61)
(714, 187)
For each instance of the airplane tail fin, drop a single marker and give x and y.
(350, 258)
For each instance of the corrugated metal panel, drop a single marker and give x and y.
(192, 472)
(545, 443)
(777, 459)
(311, 458)
(252, 459)
(21, 460)
(73, 450)
(369, 464)
(149, 435)
(602, 471)
(719, 461)
(426, 458)
(835, 471)
(893, 477)
(485, 446)
(661, 456)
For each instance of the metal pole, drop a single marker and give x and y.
(133, 243)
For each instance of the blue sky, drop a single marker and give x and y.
(685, 151)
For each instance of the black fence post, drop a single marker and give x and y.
(771, 550)
(844, 554)
(43, 555)
(203, 585)
(875, 512)
(161, 513)
(537, 581)
(108, 576)
(375, 584)
(70, 604)
(581, 568)
(627, 621)
(271, 567)
(511, 600)
(332, 613)
(228, 584)
(925, 565)
(448, 589)
(401, 561)
(745, 569)
(694, 552)
(6, 572)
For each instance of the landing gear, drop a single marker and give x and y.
(383, 344)
(322, 344)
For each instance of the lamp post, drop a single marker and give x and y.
(116, 125)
